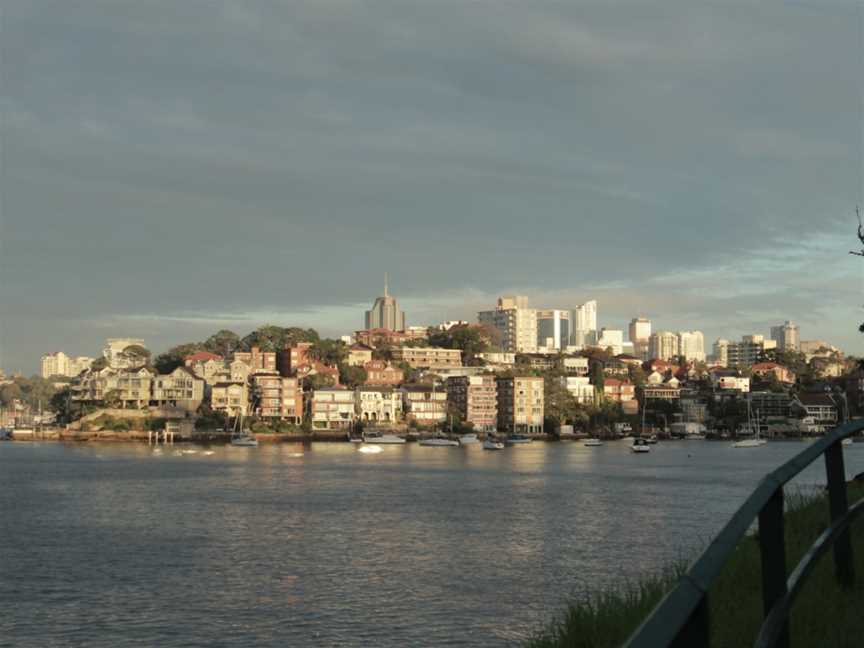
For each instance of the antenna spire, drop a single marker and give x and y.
(386, 285)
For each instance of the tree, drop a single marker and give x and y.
(470, 339)
(352, 376)
(383, 352)
(559, 403)
(330, 352)
(9, 394)
(276, 338)
(136, 355)
(224, 343)
(167, 362)
(637, 376)
(317, 381)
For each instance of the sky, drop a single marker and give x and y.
(171, 168)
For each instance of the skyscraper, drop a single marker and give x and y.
(583, 320)
(385, 312)
(663, 345)
(691, 345)
(786, 336)
(553, 328)
(640, 334)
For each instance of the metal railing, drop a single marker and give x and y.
(682, 619)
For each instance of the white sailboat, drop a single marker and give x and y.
(752, 428)
(240, 437)
(491, 443)
(438, 442)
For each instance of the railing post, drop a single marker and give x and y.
(772, 547)
(696, 632)
(839, 506)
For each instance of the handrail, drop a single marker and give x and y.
(681, 616)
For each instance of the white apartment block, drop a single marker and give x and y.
(609, 338)
(332, 408)
(639, 333)
(663, 345)
(691, 345)
(378, 404)
(580, 387)
(59, 364)
(787, 336)
(515, 321)
(584, 317)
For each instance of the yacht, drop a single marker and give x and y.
(378, 438)
(492, 444)
(640, 445)
(438, 442)
(518, 439)
(467, 439)
(592, 442)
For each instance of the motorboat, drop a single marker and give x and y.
(438, 442)
(369, 449)
(492, 444)
(518, 439)
(468, 439)
(694, 436)
(847, 441)
(640, 445)
(651, 439)
(592, 442)
(382, 439)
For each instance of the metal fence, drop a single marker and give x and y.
(681, 618)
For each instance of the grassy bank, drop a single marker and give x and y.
(823, 615)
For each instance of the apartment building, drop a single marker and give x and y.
(379, 372)
(516, 323)
(580, 388)
(619, 390)
(376, 337)
(428, 357)
(781, 373)
(553, 329)
(520, 404)
(786, 336)
(60, 364)
(639, 333)
(232, 398)
(257, 360)
(358, 355)
(209, 366)
(332, 408)
(275, 396)
(475, 400)
(691, 345)
(424, 404)
(663, 345)
(378, 404)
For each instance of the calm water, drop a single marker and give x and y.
(111, 545)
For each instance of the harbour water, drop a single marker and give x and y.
(322, 545)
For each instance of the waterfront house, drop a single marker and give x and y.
(232, 398)
(276, 396)
(379, 372)
(181, 388)
(332, 408)
(378, 404)
(424, 404)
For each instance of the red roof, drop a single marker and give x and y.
(202, 356)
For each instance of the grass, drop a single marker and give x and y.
(823, 615)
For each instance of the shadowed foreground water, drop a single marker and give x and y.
(112, 545)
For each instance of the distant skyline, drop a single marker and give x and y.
(169, 169)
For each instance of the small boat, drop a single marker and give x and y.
(370, 449)
(438, 442)
(846, 441)
(640, 445)
(386, 439)
(591, 443)
(651, 439)
(492, 444)
(355, 439)
(749, 443)
(752, 428)
(467, 439)
(518, 439)
(694, 436)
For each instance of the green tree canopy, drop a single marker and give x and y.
(352, 376)
(173, 357)
(276, 338)
(223, 343)
(330, 352)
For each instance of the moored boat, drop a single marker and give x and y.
(467, 439)
(379, 438)
(518, 439)
(592, 442)
(492, 444)
(640, 445)
(438, 442)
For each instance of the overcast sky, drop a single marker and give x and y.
(172, 168)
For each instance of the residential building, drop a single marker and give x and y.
(583, 321)
(580, 388)
(332, 408)
(114, 352)
(232, 398)
(238, 371)
(379, 404)
(358, 355)
(257, 360)
(781, 373)
(428, 357)
(59, 364)
(663, 391)
(377, 337)
(575, 365)
(618, 390)
(786, 335)
(516, 323)
(385, 313)
(691, 345)
(553, 329)
(748, 351)
(208, 366)
(721, 352)
(738, 383)
(821, 408)
(663, 345)
(276, 396)
(520, 404)
(446, 326)
(379, 372)
(608, 339)
(181, 388)
(639, 333)
(499, 359)
(475, 400)
(127, 388)
(831, 367)
(770, 404)
(293, 356)
(424, 404)
(817, 348)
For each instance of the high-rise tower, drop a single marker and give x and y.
(385, 312)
